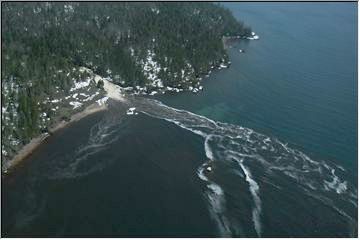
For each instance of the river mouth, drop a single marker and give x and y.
(268, 148)
(103, 186)
(117, 191)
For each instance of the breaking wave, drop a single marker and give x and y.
(272, 159)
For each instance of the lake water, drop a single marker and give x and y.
(278, 130)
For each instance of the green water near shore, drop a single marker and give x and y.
(144, 175)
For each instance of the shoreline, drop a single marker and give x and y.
(112, 91)
(30, 147)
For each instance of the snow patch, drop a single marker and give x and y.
(79, 85)
(75, 104)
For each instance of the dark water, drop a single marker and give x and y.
(283, 151)
(137, 182)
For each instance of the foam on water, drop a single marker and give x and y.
(208, 151)
(214, 194)
(75, 164)
(336, 184)
(254, 189)
(272, 158)
(260, 160)
(216, 201)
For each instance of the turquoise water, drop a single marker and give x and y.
(277, 130)
(297, 83)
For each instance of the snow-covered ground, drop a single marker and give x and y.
(75, 104)
(82, 84)
(151, 69)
